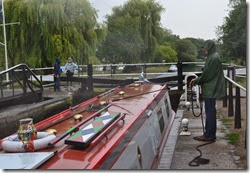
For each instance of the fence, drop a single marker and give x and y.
(19, 88)
(230, 81)
(123, 71)
(119, 71)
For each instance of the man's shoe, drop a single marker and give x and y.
(203, 138)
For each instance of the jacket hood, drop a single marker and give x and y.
(58, 60)
(210, 46)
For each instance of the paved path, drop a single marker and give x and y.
(180, 150)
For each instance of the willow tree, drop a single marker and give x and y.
(133, 31)
(123, 42)
(50, 28)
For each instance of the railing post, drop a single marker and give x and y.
(24, 81)
(180, 80)
(111, 70)
(145, 71)
(78, 70)
(230, 85)
(90, 78)
(237, 122)
(31, 81)
(12, 82)
(41, 79)
(225, 98)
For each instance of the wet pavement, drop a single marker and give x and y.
(180, 150)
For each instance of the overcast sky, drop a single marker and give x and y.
(186, 18)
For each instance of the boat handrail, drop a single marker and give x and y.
(76, 127)
(92, 130)
(107, 130)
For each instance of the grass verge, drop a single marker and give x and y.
(233, 138)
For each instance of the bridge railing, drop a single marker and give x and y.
(19, 87)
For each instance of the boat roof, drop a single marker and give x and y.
(124, 110)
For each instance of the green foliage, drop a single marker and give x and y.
(227, 120)
(132, 32)
(49, 29)
(165, 52)
(233, 33)
(94, 60)
(198, 44)
(68, 102)
(242, 81)
(166, 36)
(233, 138)
(123, 42)
(187, 51)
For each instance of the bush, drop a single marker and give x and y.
(165, 52)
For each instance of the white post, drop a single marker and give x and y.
(5, 43)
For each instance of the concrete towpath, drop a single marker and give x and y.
(180, 150)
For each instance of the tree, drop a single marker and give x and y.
(186, 51)
(123, 42)
(133, 31)
(233, 33)
(165, 52)
(166, 36)
(51, 28)
(198, 44)
(94, 60)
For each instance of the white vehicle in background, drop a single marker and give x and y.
(100, 68)
(120, 68)
(173, 68)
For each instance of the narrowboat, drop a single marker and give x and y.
(123, 128)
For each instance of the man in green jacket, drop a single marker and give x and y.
(212, 83)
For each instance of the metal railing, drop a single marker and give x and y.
(19, 87)
(133, 70)
(229, 98)
(119, 71)
(116, 71)
(230, 79)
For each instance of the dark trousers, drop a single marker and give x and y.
(57, 83)
(210, 127)
(69, 77)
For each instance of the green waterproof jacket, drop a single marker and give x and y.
(212, 80)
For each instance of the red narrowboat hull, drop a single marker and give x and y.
(144, 121)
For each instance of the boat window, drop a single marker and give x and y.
(160, 119)
(167, 107)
